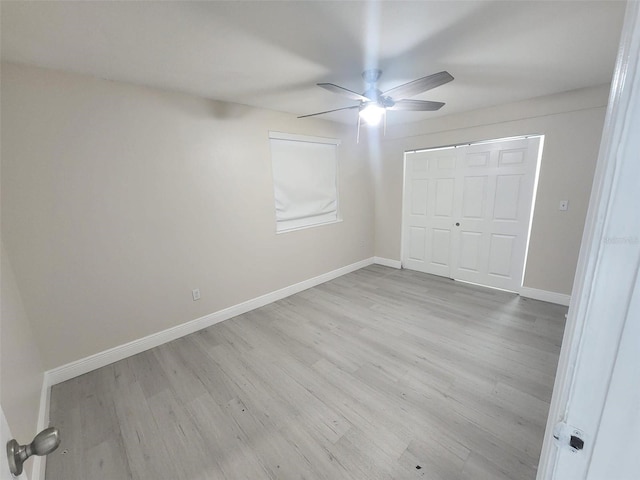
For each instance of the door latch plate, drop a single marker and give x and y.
(569, 437)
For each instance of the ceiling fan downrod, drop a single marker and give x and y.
(371, 76)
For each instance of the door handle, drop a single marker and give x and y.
(457, 224)
(43, 444)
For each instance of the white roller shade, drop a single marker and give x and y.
(304, 181)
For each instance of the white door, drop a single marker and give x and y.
(597, 389)
(430, 179)
(467, 211)
(5, 436)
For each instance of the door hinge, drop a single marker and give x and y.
(569, 437)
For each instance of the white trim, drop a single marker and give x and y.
(303, 138)
(40, 463)
(587, 338)
(545, 296)
(478, 142)
(387, 262)
(85, 365)
(404, 206)
(5, 436)
(304, 227)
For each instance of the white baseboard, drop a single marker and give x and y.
(93, 362)
(387, 262)
(545, 296)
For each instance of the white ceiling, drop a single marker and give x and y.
(271, 54)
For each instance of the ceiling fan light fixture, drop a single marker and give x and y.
(374, 103)
(372, 113)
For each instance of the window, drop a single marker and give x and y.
(305, 171)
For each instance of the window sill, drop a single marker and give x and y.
(306, 227)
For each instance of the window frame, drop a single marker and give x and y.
(274, 135)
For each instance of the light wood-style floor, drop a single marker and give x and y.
(379, 374)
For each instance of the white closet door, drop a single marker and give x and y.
(493, 208)
(430, 179)
(467, 211)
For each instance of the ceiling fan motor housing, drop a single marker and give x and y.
(375, 94)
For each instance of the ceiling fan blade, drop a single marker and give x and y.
(343, 91)
(420, 85)
(329, 111)
(416, 105)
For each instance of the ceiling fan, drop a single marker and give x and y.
(375, 103)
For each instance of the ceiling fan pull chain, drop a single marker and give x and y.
(384, 129)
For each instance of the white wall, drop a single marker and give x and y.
(572, 124)
(21, 370)
(118, 200)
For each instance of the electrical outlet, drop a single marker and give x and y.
(196, 294)
(564, 205)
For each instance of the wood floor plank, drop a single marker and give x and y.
(224, 441)
(147, 453)
(378, 374)
(105, 461)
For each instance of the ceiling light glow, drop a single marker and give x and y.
(372, 113)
